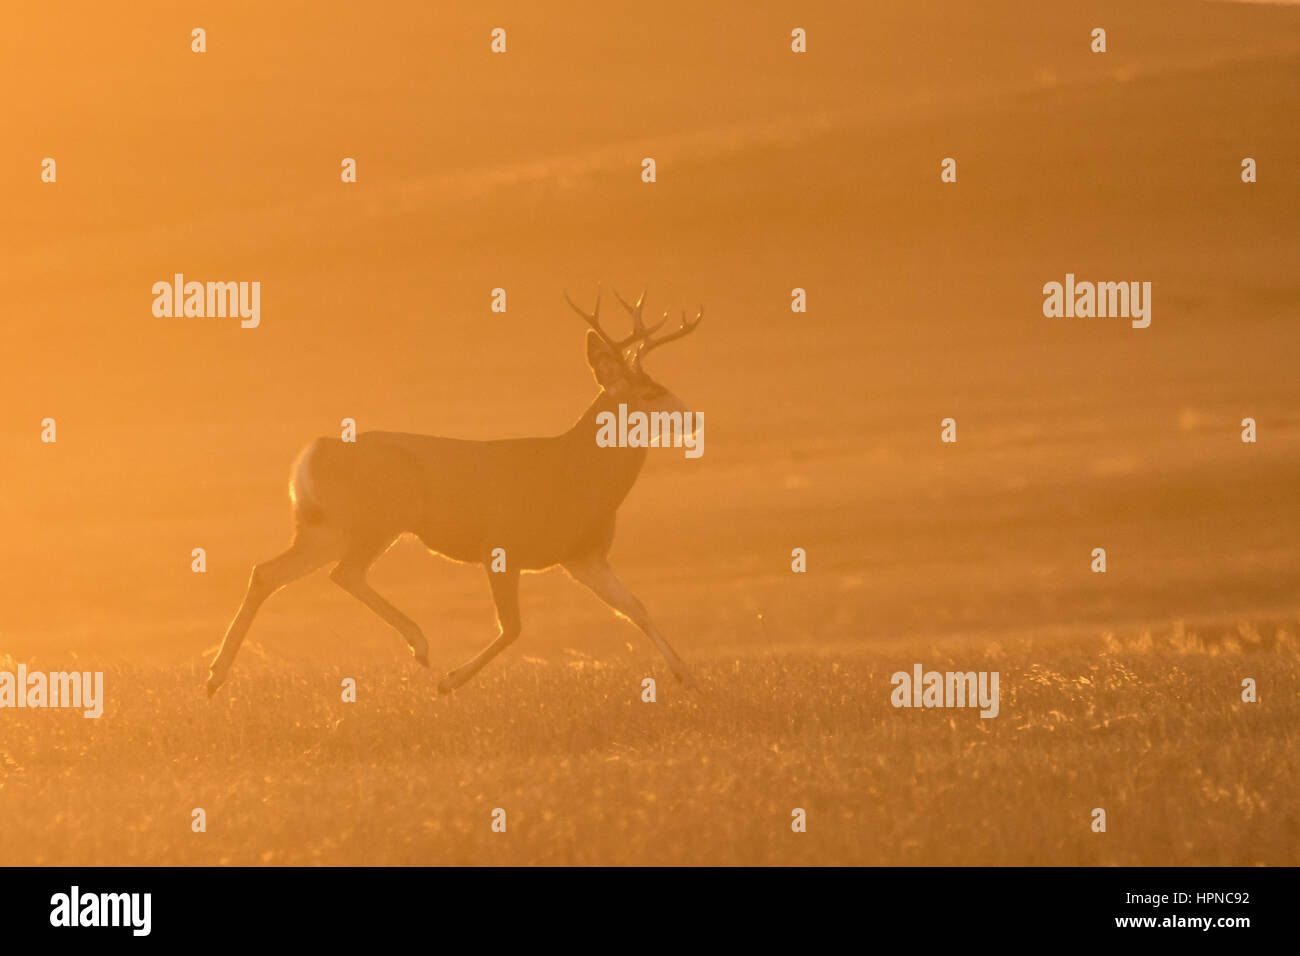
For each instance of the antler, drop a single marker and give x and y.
(686, 328)
(639, 331)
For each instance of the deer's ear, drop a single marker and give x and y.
(605, 365)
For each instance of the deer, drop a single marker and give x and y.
(546, 501)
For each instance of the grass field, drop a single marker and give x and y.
(776, 171)
(1150, 727)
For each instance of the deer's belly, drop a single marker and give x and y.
(542, 540)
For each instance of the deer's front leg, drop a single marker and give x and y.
(505, 592)
(595, 572)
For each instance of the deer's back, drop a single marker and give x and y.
(534, 497)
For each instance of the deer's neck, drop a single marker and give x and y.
(611, 470)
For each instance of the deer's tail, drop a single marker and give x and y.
(305, 506)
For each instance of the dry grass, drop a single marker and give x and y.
(1152, 728)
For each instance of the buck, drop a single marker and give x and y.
(545, 501)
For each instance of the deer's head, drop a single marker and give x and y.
(617, 364)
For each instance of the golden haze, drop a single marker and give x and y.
(775, 171)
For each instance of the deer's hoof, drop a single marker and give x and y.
(213, 686)
(449, 683)
(422, 659)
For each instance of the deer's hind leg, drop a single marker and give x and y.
(350, 575)
(313, 547)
